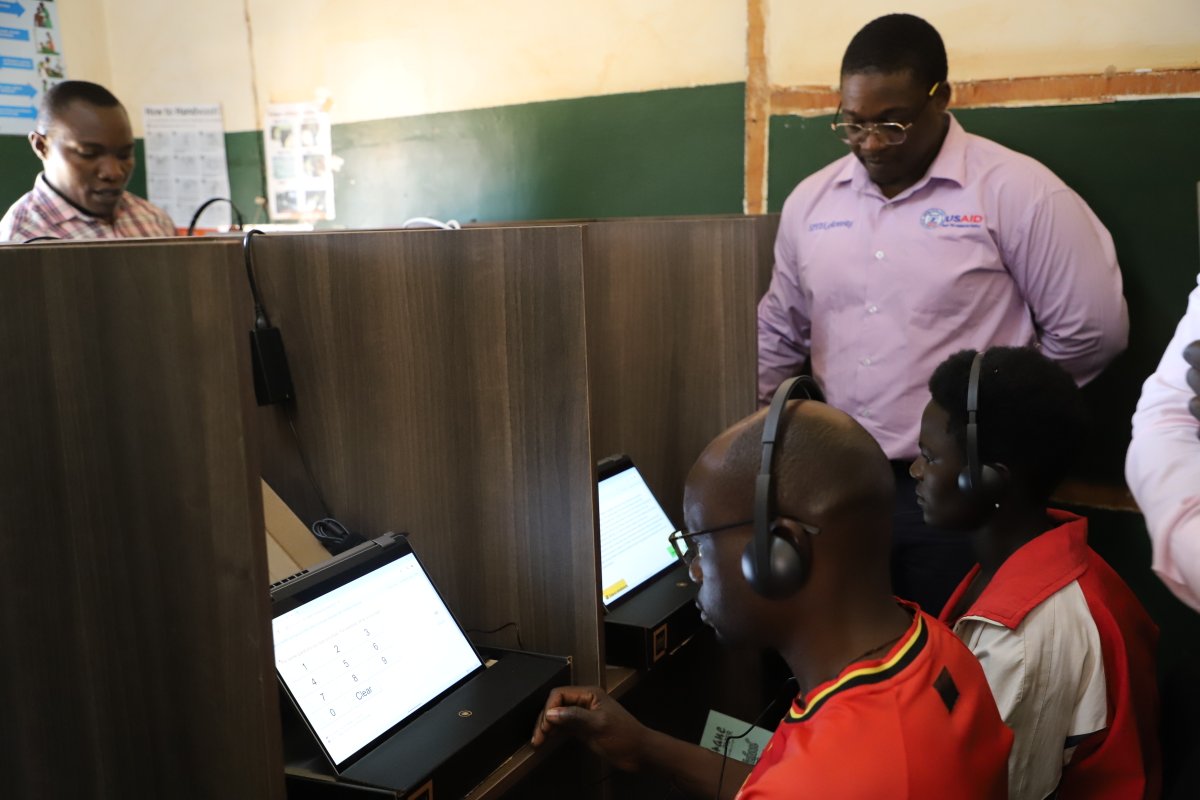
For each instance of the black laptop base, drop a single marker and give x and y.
(647, 627)
(454, 744)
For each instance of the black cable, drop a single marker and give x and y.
(745, 733)
(334, 536)
(520, 646)
(261, 321)
(191, 231)
(330, 529)
(42, 238)
(307, 469)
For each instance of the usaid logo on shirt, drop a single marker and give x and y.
(936, 218)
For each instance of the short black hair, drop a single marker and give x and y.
(64, 94)
(1030, 416)
(898, 43)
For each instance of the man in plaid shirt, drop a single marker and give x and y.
(86, 146)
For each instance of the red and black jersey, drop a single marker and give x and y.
(919, 722)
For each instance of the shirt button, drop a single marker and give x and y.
(866, 362)
(872, 309)
(879, 255)
(864, 412)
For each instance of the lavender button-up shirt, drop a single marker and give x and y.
(988, 248)
(1163, 464)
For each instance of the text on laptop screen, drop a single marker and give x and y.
(366, 655)
(634, 531)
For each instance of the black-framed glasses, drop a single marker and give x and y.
(890, 133)
(681, 541)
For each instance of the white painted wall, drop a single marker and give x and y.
(378, 59)
(84, 38)
(988, 39)
(390, 58)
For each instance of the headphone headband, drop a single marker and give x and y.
(974, 468)
(762, 577)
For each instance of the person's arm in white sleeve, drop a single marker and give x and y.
(1064, 263)
(784, 326)
(1163, 464)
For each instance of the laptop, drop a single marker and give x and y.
(382, 675)
(643, 584)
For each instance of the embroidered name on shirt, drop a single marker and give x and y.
(936, 218)
(825, 226)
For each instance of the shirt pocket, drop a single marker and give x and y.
(953, 276)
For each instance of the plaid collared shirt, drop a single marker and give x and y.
(44, 212)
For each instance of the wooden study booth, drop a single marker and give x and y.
(455, 385)
(460, 385)
(137, 657)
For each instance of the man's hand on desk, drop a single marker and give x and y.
(590, 715)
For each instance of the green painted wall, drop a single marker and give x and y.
(20, 168)
(677, 151)
(1137, 166)
(243, 153)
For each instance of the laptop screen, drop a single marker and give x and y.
(633, 531)
(366, 650)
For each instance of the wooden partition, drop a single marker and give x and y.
(441, 390)
(136, 657)
(672, 352)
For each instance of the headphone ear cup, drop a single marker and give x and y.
(789, 567)
(991, 482)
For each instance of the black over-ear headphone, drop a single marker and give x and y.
(978, 479)
(771, 563)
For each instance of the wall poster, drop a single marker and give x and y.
(299, 156)
(31, 60)
(185, 163)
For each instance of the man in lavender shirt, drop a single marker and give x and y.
(925, 240)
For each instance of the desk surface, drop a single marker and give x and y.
(619, 680)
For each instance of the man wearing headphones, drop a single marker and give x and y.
(1067, 648)
(791, 552)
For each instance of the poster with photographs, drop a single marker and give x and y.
(31, 61)
(299, 162)
(185, 163)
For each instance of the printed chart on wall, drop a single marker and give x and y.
(299, 154)
(185, 163)
(31, 60)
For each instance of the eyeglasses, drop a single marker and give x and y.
(681, 541)
(890, 133)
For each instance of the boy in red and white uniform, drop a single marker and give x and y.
(1067, 648)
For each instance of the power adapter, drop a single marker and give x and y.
(272, 378)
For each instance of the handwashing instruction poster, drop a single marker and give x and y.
(185, 162)
(31, 60)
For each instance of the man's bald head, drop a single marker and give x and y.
(826, 465)
(827, 472)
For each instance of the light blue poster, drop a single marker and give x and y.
(31, 60)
